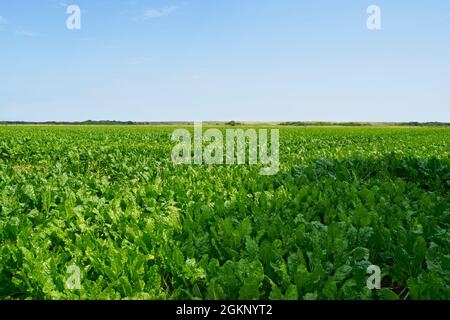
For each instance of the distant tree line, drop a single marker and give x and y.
(230, 123)
(113, 122)
(88, 122)
(425, 124)
(360, 124)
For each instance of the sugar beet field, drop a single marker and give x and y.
(106, 204)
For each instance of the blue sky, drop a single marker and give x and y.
(149, 60)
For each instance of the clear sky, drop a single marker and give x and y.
(153, 60)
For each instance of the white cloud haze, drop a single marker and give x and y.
(26, 33)
(161, 12)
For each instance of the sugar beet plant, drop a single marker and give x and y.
(109, 201)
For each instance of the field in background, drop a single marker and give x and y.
(109, 201)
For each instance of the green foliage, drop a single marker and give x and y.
(110, 201)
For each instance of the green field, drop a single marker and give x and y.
(109, 201)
